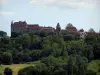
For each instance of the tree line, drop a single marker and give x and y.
(59, 54)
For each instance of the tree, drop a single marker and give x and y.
(68, 37)
(7, 58)
(49, 61)
(14, 34)
(3, 34)
(70, 65)
(89, 52)
(8, 71)
(90, 72)
(42, 69)
(26, 40)
(91, 30)
(60, 71)
(75, 47)
(35, 42)
(68, 26)
(56, 51)
(30, 70)
(43, 34)
(58, 28)
(81, 66)
(65, 55)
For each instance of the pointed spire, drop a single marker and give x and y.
(58, 28)
(12, 22)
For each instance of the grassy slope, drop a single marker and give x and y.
(17, 67)
(14, 67)
(94, 66)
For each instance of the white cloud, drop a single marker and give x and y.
(3, 1)
(6, 13)
(67, 3)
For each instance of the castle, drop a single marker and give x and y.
(24, 27)
(20, 26)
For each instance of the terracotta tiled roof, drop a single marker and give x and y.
(46, 28)
(74, 33)
(71, 29)
(33, 26)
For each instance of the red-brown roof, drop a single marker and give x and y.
(71, 29)
(20, 23)
(46, 28)
(33, 26)
(92, 34)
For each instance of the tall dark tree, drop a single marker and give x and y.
(81, 66)
(3, 34)
(7, 58)
(58, 28)
(70, 65)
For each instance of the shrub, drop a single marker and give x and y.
(8, 71)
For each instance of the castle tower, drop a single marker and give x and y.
(12, 22)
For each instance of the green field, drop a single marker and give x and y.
(94, 66)
(14, 67)
(17, 67)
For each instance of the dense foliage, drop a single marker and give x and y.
(59, 54)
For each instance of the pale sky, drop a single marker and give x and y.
(81, 13)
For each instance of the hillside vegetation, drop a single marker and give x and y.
(57, 53)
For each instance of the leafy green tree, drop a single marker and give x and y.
(30, 70)
(43, 34)
(56, 51)
(3, 34)
(75, 47)
(24, 39)
(89, 52)
(7, 58)
(70, 65)
(90, 72)
(65, 55)
(49, 61)
(91, 30)
(15, 34)
(35, 41)
(81, 66)
(68, 37)
(42, 69)
(60, 71)
(68, 26)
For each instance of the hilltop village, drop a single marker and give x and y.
(23, 26)
(42, 50)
